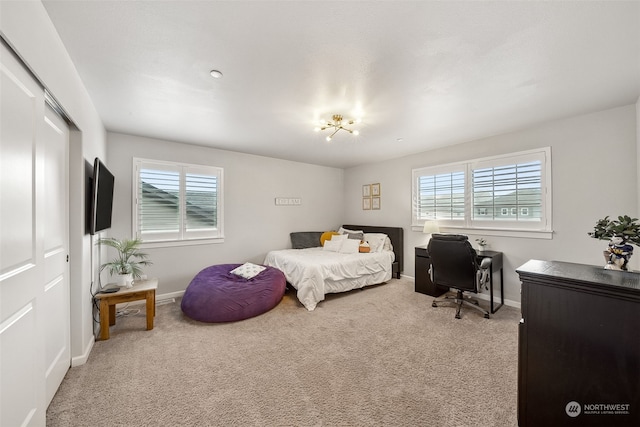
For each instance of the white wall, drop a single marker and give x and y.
(599, 149)
(594, 174)
(28, 29)
(253, 225)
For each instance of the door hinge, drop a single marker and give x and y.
(67, 257)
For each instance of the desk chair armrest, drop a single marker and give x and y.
(485, 263)
(483, 273)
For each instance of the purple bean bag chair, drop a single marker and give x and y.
(217, 295)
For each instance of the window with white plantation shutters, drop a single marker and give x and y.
(158, 200)
(201, 197)
(509, 192)
(177, 202)
(440, 196)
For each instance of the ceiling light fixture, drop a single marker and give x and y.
(337, 124)
(216, 74)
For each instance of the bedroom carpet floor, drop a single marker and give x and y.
(381, 356)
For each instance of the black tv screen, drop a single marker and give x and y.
(101, 197)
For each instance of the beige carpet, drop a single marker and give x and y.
(375, 357)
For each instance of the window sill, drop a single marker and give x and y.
(177, 243)
(527, 234)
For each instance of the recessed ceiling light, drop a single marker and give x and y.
(216, 74)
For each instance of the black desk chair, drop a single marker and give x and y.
(454, 264)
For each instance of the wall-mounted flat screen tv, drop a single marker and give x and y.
(101, 197)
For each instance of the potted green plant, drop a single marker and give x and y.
(621, 233)
(482, 242)
(129, 262)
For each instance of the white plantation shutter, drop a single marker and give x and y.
(512, 187)
(510, 192)
(201, 201)
(159, 201)
(175, 202)
(440, 195)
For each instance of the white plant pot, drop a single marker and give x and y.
(124, 280)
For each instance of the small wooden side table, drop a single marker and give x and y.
(141, 290)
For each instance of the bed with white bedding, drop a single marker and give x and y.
(316, 271)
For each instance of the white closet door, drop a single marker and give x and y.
(55, 202)
(34, 335)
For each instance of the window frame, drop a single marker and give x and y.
(536, 229)
(183, 236)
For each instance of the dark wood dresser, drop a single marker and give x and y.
(579, 346)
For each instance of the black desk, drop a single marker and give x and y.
(424, 285)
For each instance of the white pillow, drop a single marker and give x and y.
(376, 241)
(387, 245)
(248, 270)
(350, 246)
(332, 245)
(339, 237)
(346, 231)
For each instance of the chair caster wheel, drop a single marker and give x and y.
(458, 316)
(486, 316)
(433, 304)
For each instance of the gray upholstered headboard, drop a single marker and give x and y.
(396, 235)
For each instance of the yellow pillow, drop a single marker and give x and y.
(327, 236)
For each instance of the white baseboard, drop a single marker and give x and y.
(169, 295)
(159, 299)
(484, 296)
(496, 300)
(82, 359)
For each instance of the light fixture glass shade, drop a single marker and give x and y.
(430, 227)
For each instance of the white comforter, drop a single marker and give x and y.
(315, 272)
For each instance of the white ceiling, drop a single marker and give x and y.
(424, 74)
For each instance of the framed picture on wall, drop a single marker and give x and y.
(375, 203)
(375, 189)
(366, 190)
(366, 203)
